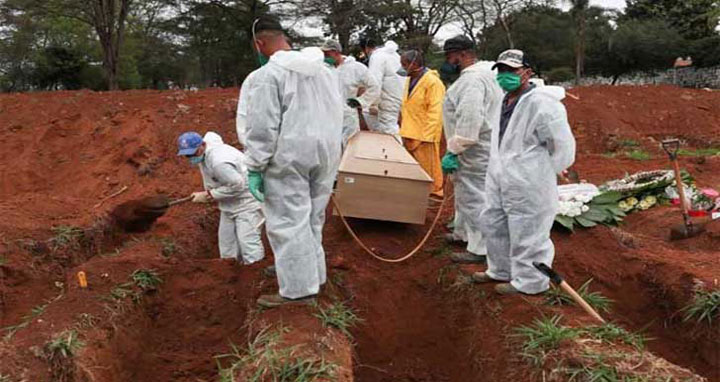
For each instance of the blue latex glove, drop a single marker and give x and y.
(450, 163)
(256, 185)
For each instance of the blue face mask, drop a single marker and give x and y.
(196, 160)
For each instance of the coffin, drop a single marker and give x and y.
(378, 179)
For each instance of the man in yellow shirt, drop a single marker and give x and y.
(421, 116)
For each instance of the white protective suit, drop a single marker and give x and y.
(225, 176)
(521, 186)
(471, 108)
(294, 134)
(243, 100)
(353, 76)
(383, 65)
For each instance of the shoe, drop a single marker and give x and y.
(269, 271)
(274, 300)
(450, 238)
(506, 289)
(482, 277)
(467, 258)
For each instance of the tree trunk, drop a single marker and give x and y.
(508, 35)
(580, 47)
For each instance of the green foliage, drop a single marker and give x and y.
(146, 279)
(611, 333)
(700, 152)
(561, 74)
(264, 360)
(66, 236)
(169, 247)
(543, 335)
(638, 154)
(602, 209)
(705, 305)
(695, 18)
(339, 316)
(557, 296)
(66, 344)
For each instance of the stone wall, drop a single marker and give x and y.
(687, 77)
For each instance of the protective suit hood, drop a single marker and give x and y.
(554, 92)
(308, 61)
(348, 59)
(389, 46)
(212, 139)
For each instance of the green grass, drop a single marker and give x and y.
(638, 154)
(86, 321)
(65, 344)
(543, 335)
(65, 236)
(262, 361)
(556, 296)
(26, 320)
(700, 152)
(169, 247)
(611, 333)
(146, 279)
(609, 155)
(339, 316)
(705, 306)
(629, 143)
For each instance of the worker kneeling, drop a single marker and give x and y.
(529, 146)
(224, 178)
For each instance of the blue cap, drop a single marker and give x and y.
(188, 143)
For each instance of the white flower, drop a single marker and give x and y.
(585, 208)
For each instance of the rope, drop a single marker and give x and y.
(408, 255)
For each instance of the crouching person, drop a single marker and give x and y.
(225, 181)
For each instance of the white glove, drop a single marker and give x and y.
(201, 197)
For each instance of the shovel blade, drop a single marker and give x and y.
(682, 231)
(139, 215)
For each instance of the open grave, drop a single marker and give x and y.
(161, 305)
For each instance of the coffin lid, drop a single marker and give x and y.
(370, 153)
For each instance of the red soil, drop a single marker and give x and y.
(65, 151)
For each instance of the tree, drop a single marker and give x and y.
(579, 13)
(694, 19)
(341, 17)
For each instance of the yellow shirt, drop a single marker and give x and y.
(422, 109)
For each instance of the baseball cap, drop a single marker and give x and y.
(188, 143)
(331, 44)
(513, 58)
(457, 43)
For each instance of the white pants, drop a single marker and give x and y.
(239, 236)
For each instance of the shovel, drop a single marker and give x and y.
(687, 229)
(558, 280)
(139, 215)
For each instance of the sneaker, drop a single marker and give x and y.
(482, 277)
(274, 300)
(506, 289)
(467, 258)
(450, 238)
(269, 271)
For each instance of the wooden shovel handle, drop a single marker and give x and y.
(569, 290)
(179, 201)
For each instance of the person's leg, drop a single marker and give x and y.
(247, 226)
(471, 196)
(494, 223)
(288, 209)
(427, 154)
(321, 183)
(227, 240)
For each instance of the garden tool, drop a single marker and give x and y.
(688, 228)
(558, 280)
(138, 215)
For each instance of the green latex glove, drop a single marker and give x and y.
(353, 103)
(256, 185)
(450, 163)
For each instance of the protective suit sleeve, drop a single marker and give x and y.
(233, 182)
(554, 131)
(241, 116)
(469, 117)
(264, 118)
(376, 67)
(435, 98)
(372, 89)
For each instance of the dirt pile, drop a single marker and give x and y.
(422, 319)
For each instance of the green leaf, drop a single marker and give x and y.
(607, 198)
(585, 222)
(596, 214)
(566, 222)
(614, 210)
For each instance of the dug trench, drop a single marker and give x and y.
(421, 320)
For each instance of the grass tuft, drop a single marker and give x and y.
(556, 296)
(638, 154)
(611, 332)
(339, 316)
(169, 247)
(146, 279)
(65, 344)
(65, 236)
(261, 360)
(543, 335)
(700, 152)
(705, 305)
(629, 143)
